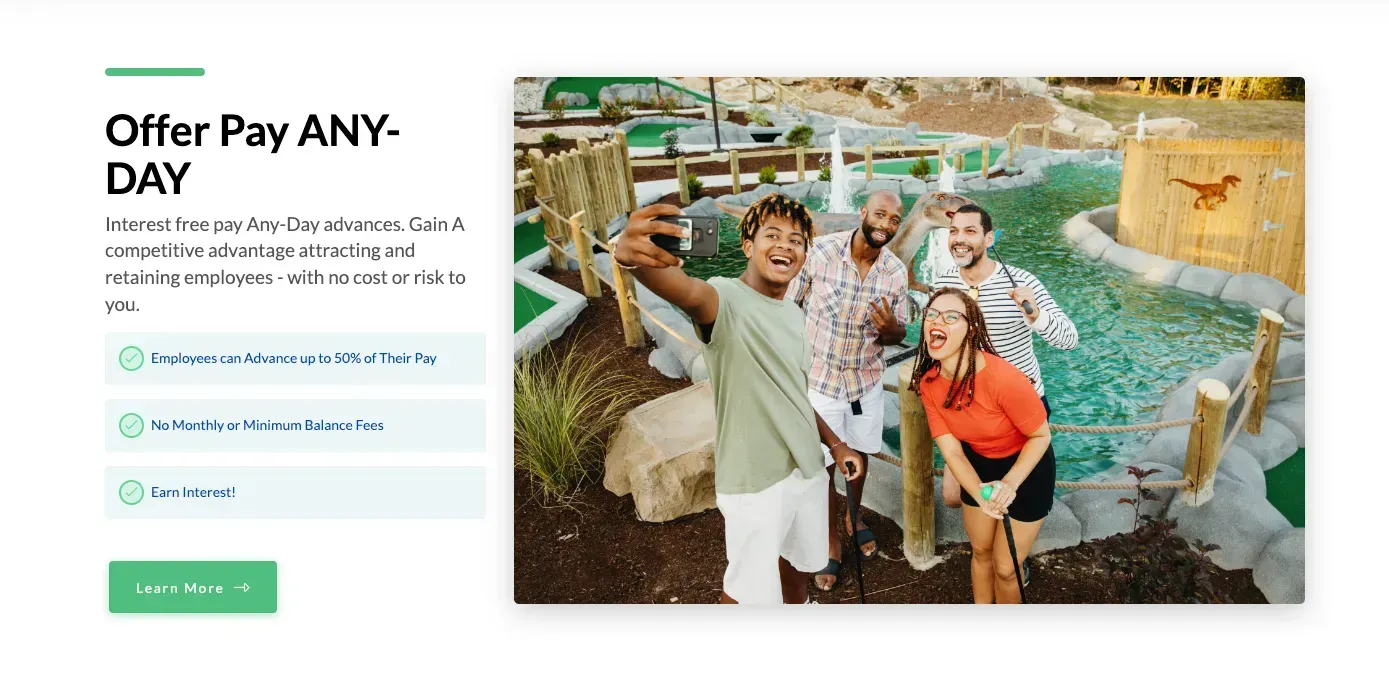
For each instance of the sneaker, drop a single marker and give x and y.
(1026, 574)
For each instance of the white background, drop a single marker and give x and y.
(426, 606)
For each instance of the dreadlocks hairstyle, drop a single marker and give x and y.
(776, 205)
(961, 393)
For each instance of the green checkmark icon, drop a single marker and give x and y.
(131, 358)
(131, 492)
(131, 425)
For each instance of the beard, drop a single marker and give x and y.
(867, 230)
(974, 257)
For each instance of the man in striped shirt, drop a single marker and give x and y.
(1010, 328)
(855, 300)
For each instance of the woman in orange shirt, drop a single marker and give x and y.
(973, 395)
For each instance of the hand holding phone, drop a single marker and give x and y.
(636, 246)
(701, 241)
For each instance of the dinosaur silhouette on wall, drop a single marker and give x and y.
(1211, 193)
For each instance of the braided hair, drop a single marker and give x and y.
(776, 205)
(961, 393)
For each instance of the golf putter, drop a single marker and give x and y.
(987, 492)
(853, 521)
(1027, 306)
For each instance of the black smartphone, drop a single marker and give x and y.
(703, 241)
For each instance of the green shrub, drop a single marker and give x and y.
(825, 173)
(1151, 564)
(556, 109)
(800, 136)
(905, 88)
(665, 106)
(694, 185)
(549, 140)
(767, 174)
(672, 138)
(616, 111)
(921, 168)
(565, 407)
(759, 116)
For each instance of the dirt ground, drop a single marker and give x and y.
(783, 163)
(736, 117)
(956, 113)
(596, 551)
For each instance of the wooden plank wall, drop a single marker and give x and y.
(1158, 216)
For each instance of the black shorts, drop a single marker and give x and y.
(1034, 498)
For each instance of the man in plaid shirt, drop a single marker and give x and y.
(855, 301)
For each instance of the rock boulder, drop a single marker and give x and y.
(1258, 290)
(1281, 570)
(1236, 518)
(663, 455)
(1203, 280)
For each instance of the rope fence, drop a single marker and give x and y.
(1104, 429)
(1239, 424)
(1282, 381)
(1119, 486)
(1295, 333)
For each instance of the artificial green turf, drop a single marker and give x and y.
(1287, 488)
(589, 86)
(649, 134)
(528, 305)
(904, 167)
(530, 237)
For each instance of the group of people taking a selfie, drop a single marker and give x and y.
(795, 348)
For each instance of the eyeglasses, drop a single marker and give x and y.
(950, 317)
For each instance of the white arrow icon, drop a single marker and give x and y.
(243, 587)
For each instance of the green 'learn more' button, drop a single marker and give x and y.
(193, 587)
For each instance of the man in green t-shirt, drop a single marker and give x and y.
(769, 476)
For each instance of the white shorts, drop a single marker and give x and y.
(787, 520)
(863, 432)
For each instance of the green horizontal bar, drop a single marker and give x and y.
(154, 72)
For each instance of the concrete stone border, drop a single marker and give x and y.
(553, 322)
(1093, 231)
(627, 125)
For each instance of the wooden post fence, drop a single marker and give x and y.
(959, 162)
(1203, 445)
(544, 190)
(984, 159)
(1046, 137)
(1012, 143)
(800, 164)
(621, 139)
(584, 249)
(624, 288)
(918, 478)
(868, 162)
(1270, 325)
(684, 181)
(733, 169)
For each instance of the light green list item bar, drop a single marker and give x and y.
(154, 72)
